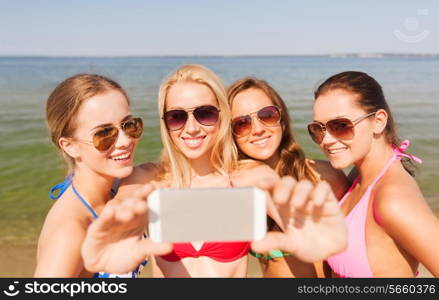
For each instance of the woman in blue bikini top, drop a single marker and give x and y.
(90, 123)
(61, 188)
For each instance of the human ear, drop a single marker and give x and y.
(68, 147)
(380, 121)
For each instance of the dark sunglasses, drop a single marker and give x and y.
(106, 137)
(269, 116)
(341, 128)
(206, 115)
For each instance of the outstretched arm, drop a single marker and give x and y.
(314, 226)
(113, 242)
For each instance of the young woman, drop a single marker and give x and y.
(90, 123)
(262, 131)
(198, 152)
(390, 226)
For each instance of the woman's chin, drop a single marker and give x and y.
(339, 164)
(124, 172)
(194, 154)
(260, 154)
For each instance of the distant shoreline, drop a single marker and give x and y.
(327, 55)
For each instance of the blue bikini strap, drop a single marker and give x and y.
(95, 216)
(62, 187)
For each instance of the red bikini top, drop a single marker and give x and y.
(223, 252)
(219, 251)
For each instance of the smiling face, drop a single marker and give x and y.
(342, 104)
(103, 110)
(262, 142)
(194, 140)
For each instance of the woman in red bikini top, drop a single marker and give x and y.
(197, 152)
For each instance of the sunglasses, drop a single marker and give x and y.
(340, 128)
(106, 137)
(268, 116)
(206, 115)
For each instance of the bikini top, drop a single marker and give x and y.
(222, 252)
(354, 262)
(219, 251)
(62, 187)
(271, 255)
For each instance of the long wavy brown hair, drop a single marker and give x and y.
(292, 160)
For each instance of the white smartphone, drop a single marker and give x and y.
(207, 214)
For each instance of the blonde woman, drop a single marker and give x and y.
(198, 152)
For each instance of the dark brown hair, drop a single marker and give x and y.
(370, 97)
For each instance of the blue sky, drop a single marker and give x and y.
(189, 27)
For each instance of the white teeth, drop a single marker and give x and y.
(193, 142)
(334, 151)
(120, 157)
(260, 142)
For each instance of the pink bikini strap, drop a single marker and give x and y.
(354, 183)
(398, 152)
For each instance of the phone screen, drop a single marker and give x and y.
(214, 214)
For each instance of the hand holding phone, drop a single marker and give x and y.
(314, 225)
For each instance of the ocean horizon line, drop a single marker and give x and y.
(329, 55)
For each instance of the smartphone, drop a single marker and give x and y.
(207, 214)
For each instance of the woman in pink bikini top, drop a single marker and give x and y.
(391, 229)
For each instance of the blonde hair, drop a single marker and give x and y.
(173, 164)
(292, 158)
(64, 102)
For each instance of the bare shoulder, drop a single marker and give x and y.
(59, 245)
(67, 210)
(65, 216)
(141, 174)
(251, 172)
(397, 198)
(402, 212)
(61, 228)
(335, 177)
